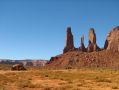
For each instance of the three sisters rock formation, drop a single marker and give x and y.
(111, 43)
(92, 46)
(92, 55)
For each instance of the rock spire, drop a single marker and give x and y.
(82, 47)
(92, 46)
(69, 41)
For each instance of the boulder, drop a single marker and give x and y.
(69, 41)
(18, 67)
(92, 46)
(112, 41)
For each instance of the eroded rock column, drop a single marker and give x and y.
(82, 46)
(92, 46)
(69, 41)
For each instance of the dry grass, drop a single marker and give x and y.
(5, 66)
(61, 79)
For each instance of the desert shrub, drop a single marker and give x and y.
(69, 67)
(66, 87)
(114, 87)
(70, 82)
(102, 79)
(35, 86)
(46, 75)
(47, 88)
(79, 84)
(23, 83)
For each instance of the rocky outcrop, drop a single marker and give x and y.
(18, 67)
(76, 58)
(82, 46)
(112, 41)
(92, 46)
(69, 41)
(79, 59)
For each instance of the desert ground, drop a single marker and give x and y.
(59, 79)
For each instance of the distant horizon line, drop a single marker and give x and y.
(22, 59)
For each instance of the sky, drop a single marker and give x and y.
(36, 29)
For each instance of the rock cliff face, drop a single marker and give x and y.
(69, 41)
(92, 46)
(112, 41)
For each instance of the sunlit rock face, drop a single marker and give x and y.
(92, 46)
(112, 41)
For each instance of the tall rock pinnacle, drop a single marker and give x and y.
(92, 46)
(69, 41)
(82, 47)
(112, 41)
(92, 36)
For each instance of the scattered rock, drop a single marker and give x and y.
(18, 67)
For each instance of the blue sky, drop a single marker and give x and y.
(36, 29)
